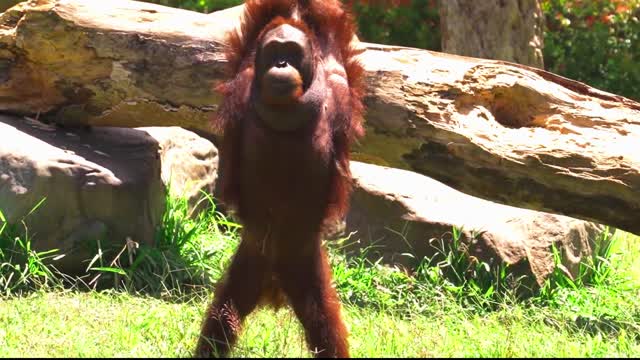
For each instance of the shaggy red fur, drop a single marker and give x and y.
(286, 186)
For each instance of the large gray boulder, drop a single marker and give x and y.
(97, 183)
(189, 164)
(111, 183)
(395, 212)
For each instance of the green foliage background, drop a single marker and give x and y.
(593, 41)
(596, 41)
(205, 6)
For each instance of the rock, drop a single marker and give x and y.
(110, 183)
(98, 183)
(493, 129)
(189, 163)
(394, 212)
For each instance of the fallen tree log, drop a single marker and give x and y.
(497, 130)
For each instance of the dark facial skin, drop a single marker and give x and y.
(287, 94)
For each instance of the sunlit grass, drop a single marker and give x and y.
(156, 304)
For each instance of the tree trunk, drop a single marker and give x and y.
(510, 30)
(497, 130)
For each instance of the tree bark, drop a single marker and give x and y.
(497, 130)
(510, 30)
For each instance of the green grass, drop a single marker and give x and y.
(21, 267)
(189, 252)
(151, 303)
(69, 324)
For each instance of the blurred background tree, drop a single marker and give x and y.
(471, 28)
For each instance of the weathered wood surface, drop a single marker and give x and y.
(496, 130)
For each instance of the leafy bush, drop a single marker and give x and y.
(597, 42)
(205, 6)
(414, 23)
